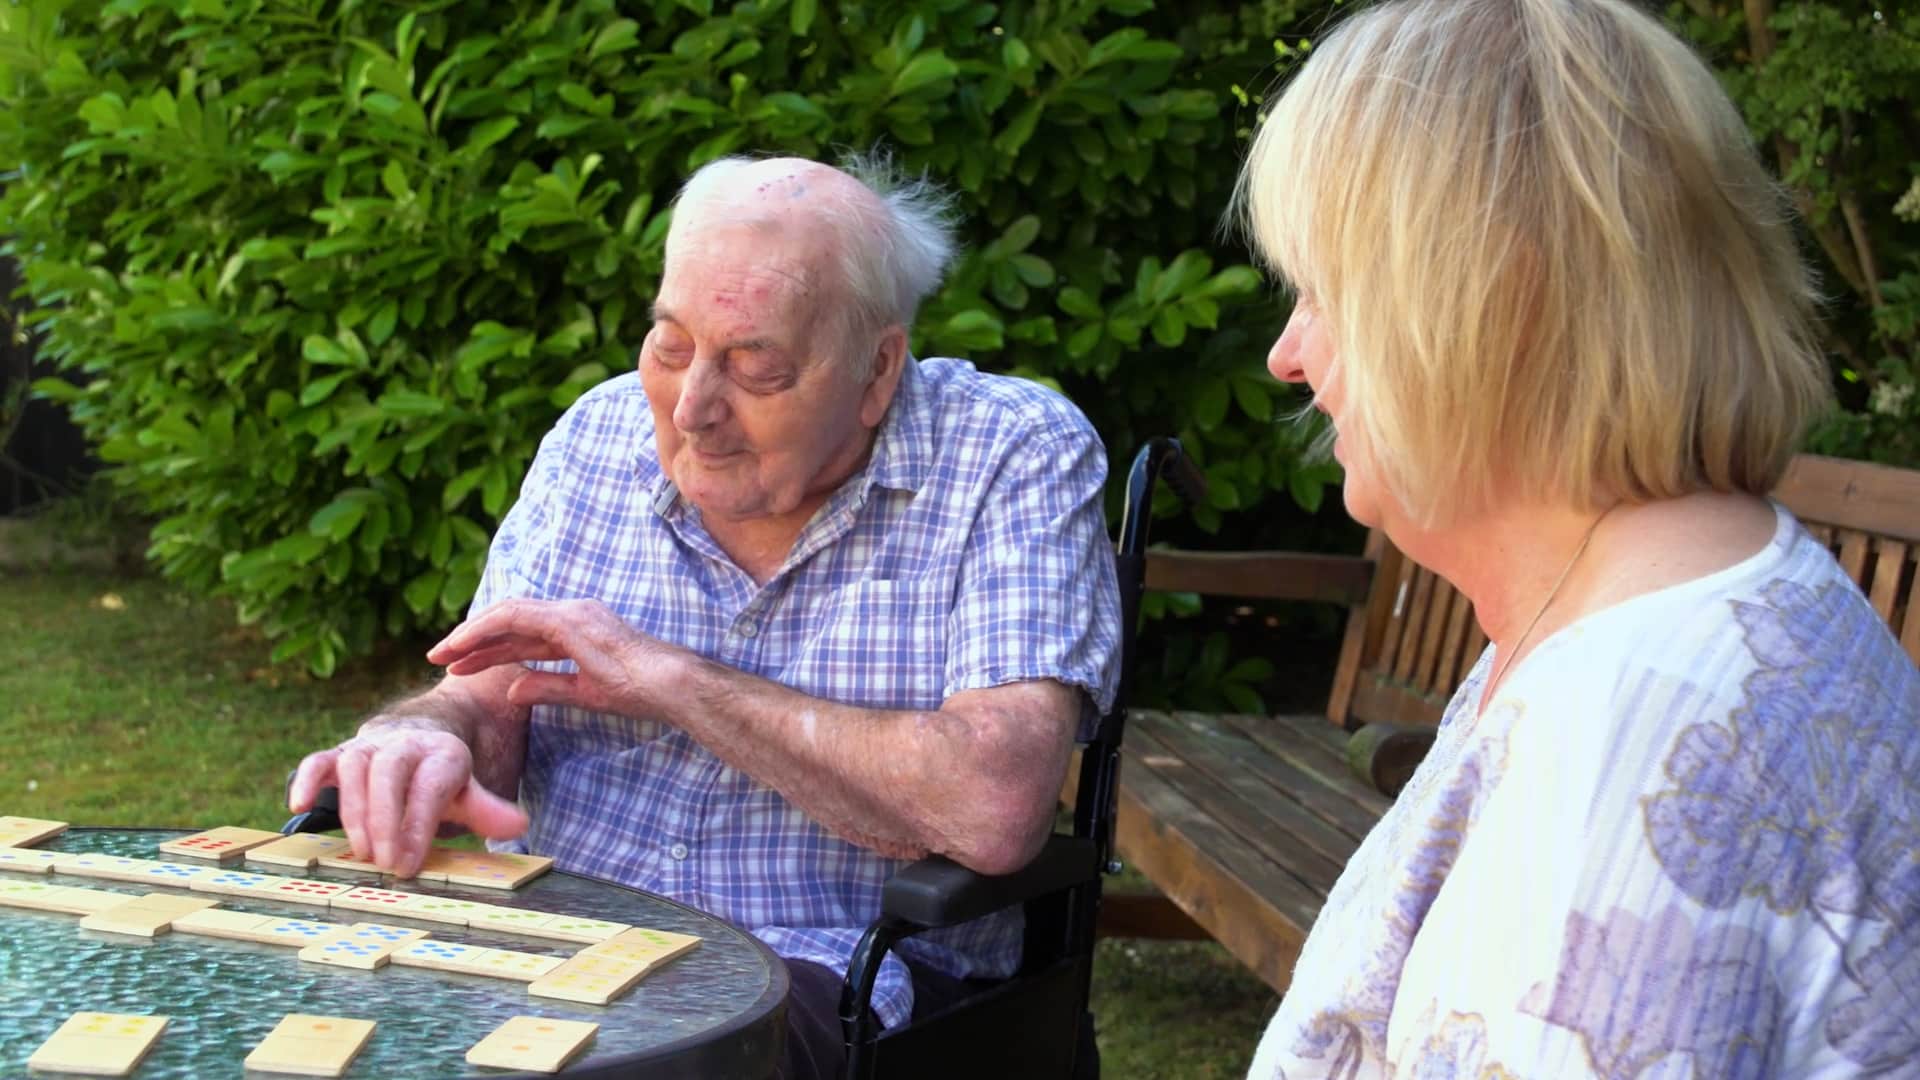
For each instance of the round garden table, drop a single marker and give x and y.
(718, 1011)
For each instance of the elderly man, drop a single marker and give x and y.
(784, 608)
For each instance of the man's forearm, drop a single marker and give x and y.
(975, 781)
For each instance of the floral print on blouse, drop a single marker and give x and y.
(1683, 841)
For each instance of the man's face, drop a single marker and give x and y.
(754, 412)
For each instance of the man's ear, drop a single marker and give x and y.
(889, 361)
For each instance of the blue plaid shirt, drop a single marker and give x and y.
(970, 552)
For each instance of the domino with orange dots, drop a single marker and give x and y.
(533, 1044)
(311, 1045)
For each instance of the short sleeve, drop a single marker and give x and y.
(519, 559)
(1038, 598)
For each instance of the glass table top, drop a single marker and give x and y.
(223, 997)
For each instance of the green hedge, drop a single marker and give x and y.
(327, 271)
(1831, 90)
(323, 271)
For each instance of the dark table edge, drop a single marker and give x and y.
(769, 1009)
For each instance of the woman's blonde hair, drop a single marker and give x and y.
(1549, 258)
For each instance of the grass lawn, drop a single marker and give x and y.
(124, 703)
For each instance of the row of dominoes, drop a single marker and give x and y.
(113, 1044)
(313, 893)
(595, 975)
(487, 869)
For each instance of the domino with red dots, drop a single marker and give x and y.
(221, 844)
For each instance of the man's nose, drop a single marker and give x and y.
(702, 401)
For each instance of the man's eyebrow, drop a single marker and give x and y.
(753, 344)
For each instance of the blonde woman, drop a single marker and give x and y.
(1552, 305)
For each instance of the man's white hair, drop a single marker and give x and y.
(894, 247)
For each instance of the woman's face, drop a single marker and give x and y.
(1305, 353)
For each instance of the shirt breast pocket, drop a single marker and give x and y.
(882, 644)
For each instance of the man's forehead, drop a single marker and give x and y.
(741, 268)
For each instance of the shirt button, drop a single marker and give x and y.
(678, 851)
(746, 627)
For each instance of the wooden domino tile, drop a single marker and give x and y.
(573, 928)
(485, 869)
(510, 920)
(474, 960)
(221, 844)
(93, 865)
(145, 916)
(642, 946)
(27, 831)
(28, 860)
(367, 898)
(301, 850)
(508, 964)
(366, 946)
(98, 1044)
(310, 1045)
(445, 909)
(595, 980)
(265, 929)
(533, 1044)
(303, 891)
(347, 860)
(296, 933)
(65, 899)
(221, 923)
(237, 883)
(138, 871)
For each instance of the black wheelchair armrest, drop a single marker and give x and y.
(936, 891)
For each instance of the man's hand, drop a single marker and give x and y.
(398, 782)
(617, 666)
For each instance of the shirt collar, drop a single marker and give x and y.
(903, 452)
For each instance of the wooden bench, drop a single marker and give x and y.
(1244, 822)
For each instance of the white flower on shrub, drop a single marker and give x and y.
(1891, 399)
(1908, 208)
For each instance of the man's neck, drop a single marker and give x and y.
(760, 545)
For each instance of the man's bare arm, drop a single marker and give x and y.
(975, 780)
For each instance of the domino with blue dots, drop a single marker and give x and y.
(366, 946)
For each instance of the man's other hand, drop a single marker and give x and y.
(617, 669)
(398, 782)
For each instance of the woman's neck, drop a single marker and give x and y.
(1517, 564)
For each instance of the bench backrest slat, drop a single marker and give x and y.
(1867, 515)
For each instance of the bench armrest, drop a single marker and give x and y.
(936, 891)
(1383, 756)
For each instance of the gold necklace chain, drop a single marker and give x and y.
(1506, 661)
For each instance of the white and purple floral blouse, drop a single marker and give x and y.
(1683, 841)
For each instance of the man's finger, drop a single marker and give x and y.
(547, 688)
(314, 773)
(515, 618)
(487, 814)
(430, 800)
(499, 652)
(388, 790)
(350, 773)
